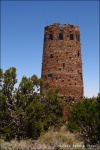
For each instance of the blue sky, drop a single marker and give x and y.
(22, 31)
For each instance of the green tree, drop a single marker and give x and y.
(25, 113)
(34, 124)
(84, 118)
(53, 106)
(25, 95)
(14, 102)
(8, 80)
(98, 120)
(43, 112)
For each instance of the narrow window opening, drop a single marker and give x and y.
(49, 75)
(78, 53)
(51, 56)
(63, 65)
(71, 36)
(45, 38)
(80, 75)
(78, 37)
(59, 78)
(50, 37)
(60, 36)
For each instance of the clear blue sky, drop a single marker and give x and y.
(22, 31)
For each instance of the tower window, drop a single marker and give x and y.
(71, 36)
(51, 56)
(78, 37)
(78, 53)
(63, 65)
(50, 37)
(60, 36)
(81, 75)
(59, 78)
(45, 38)
(49, 75)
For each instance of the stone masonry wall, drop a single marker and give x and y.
(62, 61)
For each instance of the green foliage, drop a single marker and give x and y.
(34, 112)
(25, 113)
(8, 80)
(14, 102)
(85, 119)
(53, 106)
(98, 116)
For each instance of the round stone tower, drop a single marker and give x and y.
(62, 61)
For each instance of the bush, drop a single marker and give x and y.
(85, 119)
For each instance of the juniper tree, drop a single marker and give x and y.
(85, 119)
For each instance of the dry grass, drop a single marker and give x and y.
(15, 145)
(56, 140)
(61, 139)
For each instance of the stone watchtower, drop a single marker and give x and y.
(62, 62)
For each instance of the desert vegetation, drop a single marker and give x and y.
(31, 120)
(52, 139)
